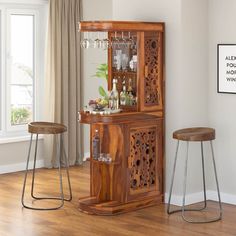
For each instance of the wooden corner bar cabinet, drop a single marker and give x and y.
(134, 138)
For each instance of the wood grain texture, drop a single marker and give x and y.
(123, 117)
(69, 221)
(151, 71)
(114, 182)
(120, 26)
(134, 138)
(195, 134)
(46, 128)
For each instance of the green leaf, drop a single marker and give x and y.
(100, 75)
(102, 91)
(102, 71)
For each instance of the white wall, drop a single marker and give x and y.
(14, 156)
(222, 107)
(186, 70)
(93, 10)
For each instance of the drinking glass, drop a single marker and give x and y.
(124, 61)
(97, 41)
(122, 40)
(106, 42)
(130, 41)
(85, 43)
(115, 41)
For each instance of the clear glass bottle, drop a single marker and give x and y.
(114, 96)
(123, 94)
(130, 96)
(96, 145)
(110, 99)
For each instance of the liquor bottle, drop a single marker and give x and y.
(123, 94)
(130, 96)
(114, 96)
(96, 145)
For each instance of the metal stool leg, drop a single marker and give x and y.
(26, 172)
(60, 174)
(33, 174)
(67, 170)
(60, 150)
(172, 180)
(203, 178)
(63, 154)
(204, 185)
(217, 183)
(183, 210)
(185, 181)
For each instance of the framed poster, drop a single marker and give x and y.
(226, 68)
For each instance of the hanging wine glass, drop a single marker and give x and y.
(115, 41)
(123, 42)
(130, 41)
(85, 43)
(106, 43)
(98, 41)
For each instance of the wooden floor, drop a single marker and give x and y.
(69, 221)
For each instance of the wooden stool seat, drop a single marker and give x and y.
(46, 128)
(195, 134)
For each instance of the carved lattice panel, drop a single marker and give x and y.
(152, 56)
(142, 159)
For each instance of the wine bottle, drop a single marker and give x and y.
(123, 94)
(114, 96)
(130, 96)
(96, 145)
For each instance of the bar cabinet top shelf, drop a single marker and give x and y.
(123, 117)
(111, 26)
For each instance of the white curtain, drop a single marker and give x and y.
(62, 82)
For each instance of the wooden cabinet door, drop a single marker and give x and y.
(150, 57)
(145, 160)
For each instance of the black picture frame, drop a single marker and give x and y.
(226, 82)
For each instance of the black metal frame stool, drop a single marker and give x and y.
(198, 134)
(58, 130)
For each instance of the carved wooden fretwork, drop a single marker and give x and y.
(142, 159)
(152, 54)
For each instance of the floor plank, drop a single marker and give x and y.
(69, 221)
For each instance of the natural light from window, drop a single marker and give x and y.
(22, 69)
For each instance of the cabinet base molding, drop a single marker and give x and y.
(91, 205)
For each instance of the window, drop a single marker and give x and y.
(22, 37)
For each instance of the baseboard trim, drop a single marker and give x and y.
(177, 200)
(4, 169)
(20, 166)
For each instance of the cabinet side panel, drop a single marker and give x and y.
(108, 180)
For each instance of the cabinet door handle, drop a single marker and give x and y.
(146, 71)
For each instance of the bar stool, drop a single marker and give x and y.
(47, 128)
(198, 134)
